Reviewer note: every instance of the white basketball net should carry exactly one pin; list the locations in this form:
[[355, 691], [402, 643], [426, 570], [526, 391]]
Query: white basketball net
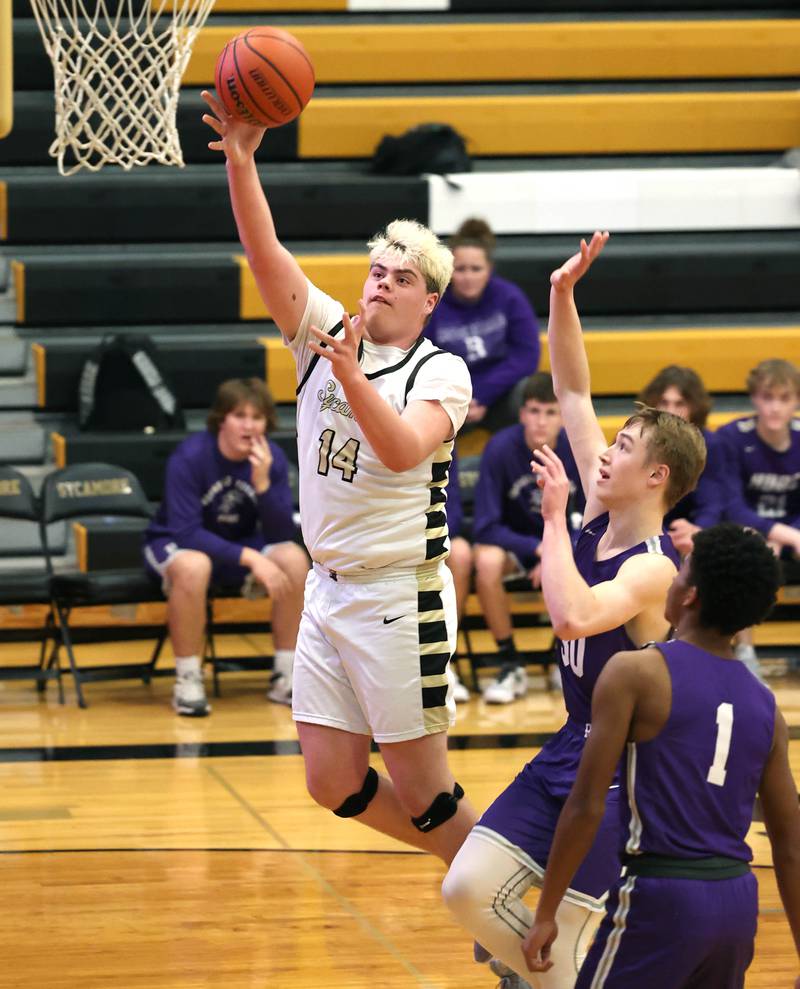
[[118, 67]]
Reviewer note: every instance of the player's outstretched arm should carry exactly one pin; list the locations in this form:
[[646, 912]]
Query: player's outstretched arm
[[782, 818], [569, 365], [577, 610], [280, 279], [613, 705]]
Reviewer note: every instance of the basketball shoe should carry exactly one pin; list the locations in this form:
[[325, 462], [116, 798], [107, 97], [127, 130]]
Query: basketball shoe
[[189, 695], [511, 683], [280, 689]]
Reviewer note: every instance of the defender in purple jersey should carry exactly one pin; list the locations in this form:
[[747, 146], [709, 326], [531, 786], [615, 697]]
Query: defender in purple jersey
[[226, 516], [608, 595], [699, 737]]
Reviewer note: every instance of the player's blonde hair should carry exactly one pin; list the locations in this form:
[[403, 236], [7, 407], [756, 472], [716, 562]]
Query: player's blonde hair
[[409, 242]]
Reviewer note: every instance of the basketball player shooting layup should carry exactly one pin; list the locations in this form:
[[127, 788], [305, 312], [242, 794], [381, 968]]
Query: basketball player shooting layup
[[378, 407], [698, 735], [610, 592]]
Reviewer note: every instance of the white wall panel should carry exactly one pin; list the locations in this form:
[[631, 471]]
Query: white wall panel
[[620, 200]]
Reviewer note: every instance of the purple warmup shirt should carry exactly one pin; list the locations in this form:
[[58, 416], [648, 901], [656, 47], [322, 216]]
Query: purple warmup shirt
[[763, 483], [689, 792], [210, 504], [508, 501], [497, 337], [705, 506], [582, 660]]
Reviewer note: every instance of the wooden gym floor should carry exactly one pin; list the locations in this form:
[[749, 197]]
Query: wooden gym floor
[[147, 851]]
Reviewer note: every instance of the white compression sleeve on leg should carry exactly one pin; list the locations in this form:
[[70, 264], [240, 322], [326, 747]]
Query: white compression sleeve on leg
[[484, 891]]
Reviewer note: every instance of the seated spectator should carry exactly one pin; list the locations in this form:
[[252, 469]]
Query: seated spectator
[[226, 517], [489, 322], [681, 391], [460, 563], [508, 524], [763, 470]]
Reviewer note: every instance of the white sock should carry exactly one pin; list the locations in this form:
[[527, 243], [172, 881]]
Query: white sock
[[284, 662], [187, 664]]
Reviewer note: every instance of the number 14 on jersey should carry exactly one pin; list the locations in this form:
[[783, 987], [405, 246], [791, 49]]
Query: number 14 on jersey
[[344, 459]]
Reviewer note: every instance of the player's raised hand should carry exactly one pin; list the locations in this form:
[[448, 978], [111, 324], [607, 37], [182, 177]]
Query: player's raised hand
[[537, 944], [237, 139], [341, 351], [553, 480], [571, 271]]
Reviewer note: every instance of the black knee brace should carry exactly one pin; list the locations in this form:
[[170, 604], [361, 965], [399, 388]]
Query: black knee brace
[[442, 809], [357, 803]]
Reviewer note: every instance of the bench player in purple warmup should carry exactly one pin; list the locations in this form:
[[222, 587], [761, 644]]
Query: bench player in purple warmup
[[698, 736], [608, 596]]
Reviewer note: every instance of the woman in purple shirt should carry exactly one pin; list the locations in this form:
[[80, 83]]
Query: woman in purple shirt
[[226, 516], [488, 322]]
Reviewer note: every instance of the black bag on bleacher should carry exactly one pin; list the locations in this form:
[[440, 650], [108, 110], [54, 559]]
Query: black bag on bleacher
[[434, 148], [123, 388]]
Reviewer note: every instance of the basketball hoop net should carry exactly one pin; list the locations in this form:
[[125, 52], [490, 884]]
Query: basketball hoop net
[[118, 67]]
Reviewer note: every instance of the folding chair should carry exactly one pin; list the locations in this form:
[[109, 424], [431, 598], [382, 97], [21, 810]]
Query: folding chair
[[84, 491], [24, 587], [214, 627]]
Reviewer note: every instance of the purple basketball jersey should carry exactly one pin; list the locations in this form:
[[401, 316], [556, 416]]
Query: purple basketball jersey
[[689, 792], [582, 660]]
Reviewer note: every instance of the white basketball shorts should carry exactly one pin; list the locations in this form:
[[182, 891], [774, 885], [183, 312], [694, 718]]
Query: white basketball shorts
[[372, 654]]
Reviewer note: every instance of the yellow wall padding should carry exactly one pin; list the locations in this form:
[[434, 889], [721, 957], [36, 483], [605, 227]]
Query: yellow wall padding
[[40, 365], [281, 374], [587, 124], [623, 362], [342, 276], [466, 52], [276, 6], [6, 69], [18, 273]]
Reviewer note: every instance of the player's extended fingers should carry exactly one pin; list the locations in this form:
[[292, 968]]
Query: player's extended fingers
[[331, 343], [325, 352], [214, 104], [548, 456], [214, 123], [216, 146], [598, 242], [350, 336]]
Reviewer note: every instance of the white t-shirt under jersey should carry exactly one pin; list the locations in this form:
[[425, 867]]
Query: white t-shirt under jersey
[[358, 516]]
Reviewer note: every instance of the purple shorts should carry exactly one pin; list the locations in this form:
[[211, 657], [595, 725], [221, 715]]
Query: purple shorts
[[527, 811], [160, 552], [674, 934]]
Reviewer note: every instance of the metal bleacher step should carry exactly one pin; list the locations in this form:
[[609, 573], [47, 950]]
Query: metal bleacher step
[[14, 353], [22, 439]]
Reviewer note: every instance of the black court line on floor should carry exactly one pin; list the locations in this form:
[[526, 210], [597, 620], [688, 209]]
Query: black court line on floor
[[264, 851], [217, 750]]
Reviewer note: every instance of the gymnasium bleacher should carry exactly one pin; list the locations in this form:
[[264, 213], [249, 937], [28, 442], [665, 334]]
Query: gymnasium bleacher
[[667, 123]]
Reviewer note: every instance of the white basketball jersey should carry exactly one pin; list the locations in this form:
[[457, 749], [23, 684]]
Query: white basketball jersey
[[358, 516]]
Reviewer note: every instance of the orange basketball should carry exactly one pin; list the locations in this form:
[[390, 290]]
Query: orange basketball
[[264, 76]]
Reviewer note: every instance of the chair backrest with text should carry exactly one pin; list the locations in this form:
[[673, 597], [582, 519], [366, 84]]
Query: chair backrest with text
[[90, 489], [17, 500]]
